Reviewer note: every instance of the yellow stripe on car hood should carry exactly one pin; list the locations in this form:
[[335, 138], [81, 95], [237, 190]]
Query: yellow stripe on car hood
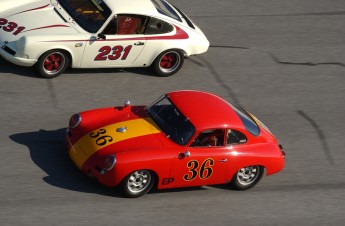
[[108, 135]]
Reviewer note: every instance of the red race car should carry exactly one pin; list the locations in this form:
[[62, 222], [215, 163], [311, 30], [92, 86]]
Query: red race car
[[185, 138]]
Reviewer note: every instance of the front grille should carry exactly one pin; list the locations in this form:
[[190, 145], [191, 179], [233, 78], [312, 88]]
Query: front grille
[[8, 50]]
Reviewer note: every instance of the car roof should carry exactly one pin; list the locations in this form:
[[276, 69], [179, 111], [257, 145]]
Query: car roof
[[143, 7], [205, 110]]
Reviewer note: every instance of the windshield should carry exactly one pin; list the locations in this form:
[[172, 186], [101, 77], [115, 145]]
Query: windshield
[[171, 121], [164, 8], [89, 14]]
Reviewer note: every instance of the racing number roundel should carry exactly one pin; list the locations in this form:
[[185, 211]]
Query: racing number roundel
[[101, 137], [9, 26], [205, 171]]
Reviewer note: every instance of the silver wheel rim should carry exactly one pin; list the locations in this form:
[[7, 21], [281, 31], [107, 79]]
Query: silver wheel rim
[[53, 63], [169, 62], [139, 181], [248, 175]]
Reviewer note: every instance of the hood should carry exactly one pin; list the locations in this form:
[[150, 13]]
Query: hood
[[31, 17], [125, 132], [17, 4]]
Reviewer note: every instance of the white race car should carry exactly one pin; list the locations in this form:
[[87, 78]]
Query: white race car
[[55, 34]]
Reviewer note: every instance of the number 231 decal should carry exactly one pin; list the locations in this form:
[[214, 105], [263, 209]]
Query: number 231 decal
[[204, 172], [10, 26], [108, 53]]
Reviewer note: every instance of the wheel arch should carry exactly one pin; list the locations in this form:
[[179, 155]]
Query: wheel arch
[[246, 178], [237, 168], [185, 54], [66, 50], [138, 187]]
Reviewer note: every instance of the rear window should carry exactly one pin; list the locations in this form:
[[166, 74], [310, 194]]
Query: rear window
[[189, 22], [164, 8], [247, 120]]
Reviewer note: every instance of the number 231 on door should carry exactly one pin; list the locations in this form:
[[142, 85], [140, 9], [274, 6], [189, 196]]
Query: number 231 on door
[[108, 53]]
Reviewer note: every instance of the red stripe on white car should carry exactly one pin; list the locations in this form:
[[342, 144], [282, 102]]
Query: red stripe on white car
[[41, 7], [180, 34], [50, 26]]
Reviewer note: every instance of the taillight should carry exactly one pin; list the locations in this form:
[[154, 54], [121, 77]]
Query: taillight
[[281, 149]]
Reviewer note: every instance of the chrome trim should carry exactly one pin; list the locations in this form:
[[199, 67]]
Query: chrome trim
[[127, 103], [112, 165], [121, 129], [78, 122]]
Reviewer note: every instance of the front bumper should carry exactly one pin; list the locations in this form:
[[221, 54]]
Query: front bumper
[[75, 152], [10, 55], [89, 165]]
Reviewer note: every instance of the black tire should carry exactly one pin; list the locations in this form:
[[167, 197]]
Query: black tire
[[137, 183], [247, 177], [168, 62], [52, 63]]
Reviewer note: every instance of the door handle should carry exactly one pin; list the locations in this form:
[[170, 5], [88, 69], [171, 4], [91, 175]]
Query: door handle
[[139, 43], [185, 154], [222, 160]]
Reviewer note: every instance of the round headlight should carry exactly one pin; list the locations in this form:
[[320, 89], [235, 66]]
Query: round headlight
[[109, 162], [75, 120]]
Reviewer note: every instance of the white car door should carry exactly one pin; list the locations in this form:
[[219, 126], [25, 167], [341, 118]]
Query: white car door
[[122, 45]]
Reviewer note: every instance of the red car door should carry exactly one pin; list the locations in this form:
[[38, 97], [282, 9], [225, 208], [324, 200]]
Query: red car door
[[199, 166]]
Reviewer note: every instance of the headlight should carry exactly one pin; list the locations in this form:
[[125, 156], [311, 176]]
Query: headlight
[[109, 162], [74, 120]]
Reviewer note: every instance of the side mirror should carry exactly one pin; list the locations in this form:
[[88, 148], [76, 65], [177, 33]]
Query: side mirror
[[101, 36]]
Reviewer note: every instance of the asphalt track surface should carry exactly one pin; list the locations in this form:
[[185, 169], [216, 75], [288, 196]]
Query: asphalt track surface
[[284, 61]]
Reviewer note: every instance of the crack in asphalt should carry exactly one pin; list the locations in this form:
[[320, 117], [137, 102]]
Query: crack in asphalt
[[275, 59], [236, 101], [321, 135], [219, 79]]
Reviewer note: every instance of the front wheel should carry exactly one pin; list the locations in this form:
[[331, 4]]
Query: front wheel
[[137, 183], [247, 177], [52, 63], [168, 62]]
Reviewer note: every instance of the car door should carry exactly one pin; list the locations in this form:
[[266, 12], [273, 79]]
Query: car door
[[201, 164], [119, 44]]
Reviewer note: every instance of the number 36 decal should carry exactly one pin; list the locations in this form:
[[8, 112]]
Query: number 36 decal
[[204, 172], [101, 137], [106, 52]]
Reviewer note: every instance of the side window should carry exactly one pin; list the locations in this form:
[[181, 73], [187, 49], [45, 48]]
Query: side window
[[235, 137], [130, 24], [157, 26], [209, 138]]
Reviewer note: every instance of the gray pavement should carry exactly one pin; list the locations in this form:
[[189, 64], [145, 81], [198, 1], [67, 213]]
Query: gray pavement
[[284, 61]]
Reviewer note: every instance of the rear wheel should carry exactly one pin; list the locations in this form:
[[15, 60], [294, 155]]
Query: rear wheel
[[168, 62], [52, 63], [247, 177], [137, 183]]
